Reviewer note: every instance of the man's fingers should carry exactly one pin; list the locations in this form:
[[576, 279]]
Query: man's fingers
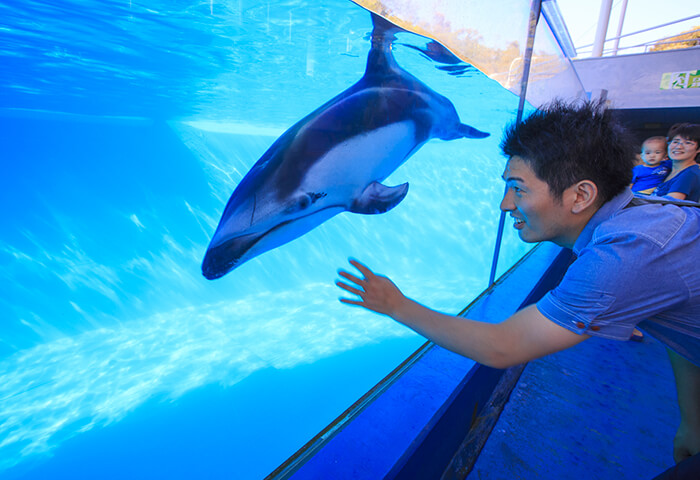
[[362, 268], [349, 288], [350, 276], [351, 302], [358, 284]]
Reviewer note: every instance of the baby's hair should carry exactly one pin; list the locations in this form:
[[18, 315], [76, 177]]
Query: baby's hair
[[657, 138]]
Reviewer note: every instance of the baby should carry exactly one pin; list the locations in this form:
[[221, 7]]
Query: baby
[[656, 166]]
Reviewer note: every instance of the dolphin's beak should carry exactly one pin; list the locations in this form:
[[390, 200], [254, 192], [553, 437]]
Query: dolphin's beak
[[223, 258]]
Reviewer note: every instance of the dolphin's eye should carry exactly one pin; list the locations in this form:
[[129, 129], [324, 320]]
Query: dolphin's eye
[[304, 202], [309, 198]]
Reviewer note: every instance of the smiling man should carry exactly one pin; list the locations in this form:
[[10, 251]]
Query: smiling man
[[567, 174]]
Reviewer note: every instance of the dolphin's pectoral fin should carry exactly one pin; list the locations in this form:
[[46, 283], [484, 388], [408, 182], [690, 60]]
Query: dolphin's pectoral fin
[[378, 198], [470, 132]]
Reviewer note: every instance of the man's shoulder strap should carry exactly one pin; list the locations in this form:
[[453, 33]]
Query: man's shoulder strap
[[637, 201]]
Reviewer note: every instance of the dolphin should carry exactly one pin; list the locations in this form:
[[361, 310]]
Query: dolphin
[[334, 159]]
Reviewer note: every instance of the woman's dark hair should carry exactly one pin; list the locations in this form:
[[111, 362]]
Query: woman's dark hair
[[689, 131], [565, 143]]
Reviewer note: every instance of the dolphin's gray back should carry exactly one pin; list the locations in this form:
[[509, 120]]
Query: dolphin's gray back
[[387, 107]]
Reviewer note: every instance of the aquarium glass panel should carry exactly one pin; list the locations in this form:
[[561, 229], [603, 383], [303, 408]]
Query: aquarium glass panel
[[126, 128]]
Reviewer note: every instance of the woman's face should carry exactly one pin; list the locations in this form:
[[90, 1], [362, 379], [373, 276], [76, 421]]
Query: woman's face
[[681, 149]]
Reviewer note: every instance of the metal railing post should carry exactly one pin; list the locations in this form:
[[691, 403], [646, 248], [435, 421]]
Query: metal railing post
[[535, 10], [602, 30], [616, 44]]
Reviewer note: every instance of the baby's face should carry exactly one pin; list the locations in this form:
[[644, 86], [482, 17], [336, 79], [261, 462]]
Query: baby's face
[[653, 153]]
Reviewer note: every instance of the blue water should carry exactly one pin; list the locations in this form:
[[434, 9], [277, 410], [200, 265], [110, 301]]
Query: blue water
[[126, 126]]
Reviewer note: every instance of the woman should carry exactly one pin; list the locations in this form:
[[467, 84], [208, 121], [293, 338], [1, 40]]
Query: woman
[[683, 182]]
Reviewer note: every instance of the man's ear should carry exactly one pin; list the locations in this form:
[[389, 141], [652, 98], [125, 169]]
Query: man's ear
[[586, 195]]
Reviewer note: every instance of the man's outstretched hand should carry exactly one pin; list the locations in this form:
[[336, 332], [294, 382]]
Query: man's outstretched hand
[[375, 292]]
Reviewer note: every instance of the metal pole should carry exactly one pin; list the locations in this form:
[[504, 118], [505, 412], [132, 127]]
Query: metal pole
[[535, 10], [650, 29], [623, 9], [602, 30]]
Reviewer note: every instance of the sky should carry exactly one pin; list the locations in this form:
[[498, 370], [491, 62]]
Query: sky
[[581, 19]]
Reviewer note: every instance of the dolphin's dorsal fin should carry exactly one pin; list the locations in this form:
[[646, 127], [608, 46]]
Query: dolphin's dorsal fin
[[383, 29], [380, 60], [378, 198]]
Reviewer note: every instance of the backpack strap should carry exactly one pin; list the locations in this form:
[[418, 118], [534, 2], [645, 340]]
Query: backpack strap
[[637, 201]]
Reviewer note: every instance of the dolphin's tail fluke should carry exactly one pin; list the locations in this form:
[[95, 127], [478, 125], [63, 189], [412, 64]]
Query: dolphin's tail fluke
[[465, 131]]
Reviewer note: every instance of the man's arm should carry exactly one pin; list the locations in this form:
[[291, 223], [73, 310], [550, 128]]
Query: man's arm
[[524, 336], [687, 441]]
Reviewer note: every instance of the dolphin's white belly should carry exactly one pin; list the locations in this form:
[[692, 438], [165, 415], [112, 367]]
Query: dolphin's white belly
[[372, 156]]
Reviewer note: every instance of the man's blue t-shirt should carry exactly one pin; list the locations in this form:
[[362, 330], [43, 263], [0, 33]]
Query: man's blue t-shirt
[[635, 266], [645, 177], [687, 182]]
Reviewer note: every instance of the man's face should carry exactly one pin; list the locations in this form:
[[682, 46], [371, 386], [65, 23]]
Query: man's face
[[537, 214]]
